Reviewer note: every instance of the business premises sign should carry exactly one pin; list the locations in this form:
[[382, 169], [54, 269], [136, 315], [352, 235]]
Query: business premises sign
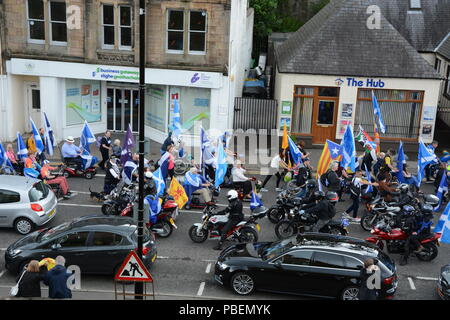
[[367, 83], [109, 74]]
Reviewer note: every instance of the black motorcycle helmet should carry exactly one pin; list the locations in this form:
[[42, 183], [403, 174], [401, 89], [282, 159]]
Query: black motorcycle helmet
[[427, 210], [408, 210], [332, 196], [311, 184]]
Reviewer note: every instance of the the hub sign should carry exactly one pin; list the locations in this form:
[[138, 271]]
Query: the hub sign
[[368, 83]]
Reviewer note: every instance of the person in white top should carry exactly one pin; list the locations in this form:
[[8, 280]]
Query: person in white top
[[240, 180], [277, 165]]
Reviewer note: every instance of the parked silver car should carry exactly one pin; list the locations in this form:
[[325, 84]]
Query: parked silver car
[[25, 203]]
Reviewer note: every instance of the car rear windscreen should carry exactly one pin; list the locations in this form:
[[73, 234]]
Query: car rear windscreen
[[38, 192]]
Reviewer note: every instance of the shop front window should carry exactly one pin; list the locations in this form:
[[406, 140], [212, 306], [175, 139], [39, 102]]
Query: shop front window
[[83, 101], [156, 107], [401, 111]]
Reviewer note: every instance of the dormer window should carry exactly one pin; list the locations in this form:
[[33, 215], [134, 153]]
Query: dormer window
[[415, 4]]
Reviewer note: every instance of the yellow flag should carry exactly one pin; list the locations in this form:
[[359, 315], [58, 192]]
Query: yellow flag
[[176, 190], [32, 145], [285, 142]]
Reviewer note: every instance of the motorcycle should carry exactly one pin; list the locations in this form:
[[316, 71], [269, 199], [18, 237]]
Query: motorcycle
[[303, 222], [165, 223], [375, 212], [244, 231], [197, 201], [119, 198], [395, 240], [284, 204]]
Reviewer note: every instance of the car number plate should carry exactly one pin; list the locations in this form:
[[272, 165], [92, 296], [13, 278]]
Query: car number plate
[[258, 227], [52, 212]]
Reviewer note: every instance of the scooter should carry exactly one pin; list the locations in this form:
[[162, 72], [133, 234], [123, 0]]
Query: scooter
[[197, 201], [70, 170], [212, 224]]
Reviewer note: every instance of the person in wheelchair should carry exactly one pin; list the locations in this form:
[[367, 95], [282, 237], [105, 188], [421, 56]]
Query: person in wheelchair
[[240, 181], [196, 183], [51, 179], [17, 165], [72, 154]]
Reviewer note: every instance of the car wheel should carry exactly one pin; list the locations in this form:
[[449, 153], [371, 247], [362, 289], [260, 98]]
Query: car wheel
[[23, 226], [350, 293], [242, 283]]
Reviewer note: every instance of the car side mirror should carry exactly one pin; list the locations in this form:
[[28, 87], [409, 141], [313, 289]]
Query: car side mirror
[[278, 264], [56, 246]]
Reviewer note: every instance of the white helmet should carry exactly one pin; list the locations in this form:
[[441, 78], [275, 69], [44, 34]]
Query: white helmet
[[232, 194], [148, 175]]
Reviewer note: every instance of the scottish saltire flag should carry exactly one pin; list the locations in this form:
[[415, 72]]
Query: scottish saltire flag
[[425, 157], [192, 182], [88, 160], [369, 186], [400, 162], [128, 146], [22, 151], [31, 173], [159, 181], [377, 112], [127, 173], [255, 202], [163, 163], [295, 152], [4, 160], [443, 188], [176, 120], [50, 142], [443, 225], [154, 207], [348, 150], [37, 138], [87, 137], [222, 165]]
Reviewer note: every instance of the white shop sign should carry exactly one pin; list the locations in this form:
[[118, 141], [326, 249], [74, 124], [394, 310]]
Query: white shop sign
[[57, 69]]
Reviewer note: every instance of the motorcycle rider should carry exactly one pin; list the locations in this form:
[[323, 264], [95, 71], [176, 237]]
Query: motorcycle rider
[[324, 208], [417, 228], [311, 188], [235, 215]]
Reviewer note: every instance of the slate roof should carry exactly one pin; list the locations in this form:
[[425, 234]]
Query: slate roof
[[337, 41], [444, 47], [424, 29]]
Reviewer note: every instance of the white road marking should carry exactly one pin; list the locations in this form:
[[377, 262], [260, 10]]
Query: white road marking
[[208, 268], [100, 175], [209, 261], [200, 290], [411, 283], [427, 278], [81, 192], [3, 249], [78, 205], [2, 273]]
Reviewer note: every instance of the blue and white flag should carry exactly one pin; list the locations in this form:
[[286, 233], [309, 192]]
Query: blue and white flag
[[50, 142], [255, 202], [400, 163], [22, 151], [192, 182], [128, 170], [425, 157], [176, 120], [369, 178], [88, 160], [160, 182], [87, 137], [163, 163], [222, 165], [320, 184], [335, 149], [31, 173], [349, 150], [443, 188], [128, 146], [154, 207], [443, 225], [205, 153], [4, 160], [295, 152], [377, 112], [37, 138]]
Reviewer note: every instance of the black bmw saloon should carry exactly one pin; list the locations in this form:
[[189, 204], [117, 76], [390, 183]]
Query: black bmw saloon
[[310, 264]]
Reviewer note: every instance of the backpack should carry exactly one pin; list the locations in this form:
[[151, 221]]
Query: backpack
[[354, 189], [324, 179]]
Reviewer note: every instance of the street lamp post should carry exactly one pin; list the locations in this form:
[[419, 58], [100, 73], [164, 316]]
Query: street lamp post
[[139, 287]]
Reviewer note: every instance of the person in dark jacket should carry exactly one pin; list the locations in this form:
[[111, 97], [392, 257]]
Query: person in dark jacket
[[234, 210], [323, 209], [56, 280], [334, 183], [167, 143], [105, 147], [30, 280], [366, 292]]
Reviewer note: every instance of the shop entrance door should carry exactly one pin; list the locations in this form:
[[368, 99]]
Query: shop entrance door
[[123, 109], [326, 102], [33, 102]]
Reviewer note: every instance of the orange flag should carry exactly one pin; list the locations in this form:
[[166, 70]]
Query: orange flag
[[285, 142]]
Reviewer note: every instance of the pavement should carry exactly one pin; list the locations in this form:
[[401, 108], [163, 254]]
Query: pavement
[[184, 270]]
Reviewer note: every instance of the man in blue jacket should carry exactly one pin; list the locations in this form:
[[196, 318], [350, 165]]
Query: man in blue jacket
[[56, 280]]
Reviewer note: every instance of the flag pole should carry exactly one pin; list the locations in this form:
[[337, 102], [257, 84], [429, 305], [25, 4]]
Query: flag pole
[[139, 288]]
